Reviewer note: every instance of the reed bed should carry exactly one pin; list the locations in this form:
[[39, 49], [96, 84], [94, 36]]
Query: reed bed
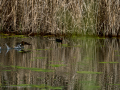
[[60, 16]]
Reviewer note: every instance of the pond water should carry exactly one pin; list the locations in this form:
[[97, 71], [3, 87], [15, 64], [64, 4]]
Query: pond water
[[78, 63]]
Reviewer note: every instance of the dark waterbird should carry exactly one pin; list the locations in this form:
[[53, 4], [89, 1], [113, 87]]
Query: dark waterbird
[[59, 40], [23, 43]]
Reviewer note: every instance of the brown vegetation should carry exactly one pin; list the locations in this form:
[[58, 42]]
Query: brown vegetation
[[109, 18], [100, 17]]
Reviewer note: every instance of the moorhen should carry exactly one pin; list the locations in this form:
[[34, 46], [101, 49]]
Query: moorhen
[[21, 45], [24, 43], [59, 40]]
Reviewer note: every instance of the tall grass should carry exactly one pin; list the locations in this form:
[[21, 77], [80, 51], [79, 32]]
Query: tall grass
[[60, 16]]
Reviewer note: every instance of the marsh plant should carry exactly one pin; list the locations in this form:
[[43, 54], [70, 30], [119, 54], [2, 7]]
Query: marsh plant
[[100, 17]]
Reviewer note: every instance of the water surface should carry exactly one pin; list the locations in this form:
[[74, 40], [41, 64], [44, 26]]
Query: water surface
[[79, 63]]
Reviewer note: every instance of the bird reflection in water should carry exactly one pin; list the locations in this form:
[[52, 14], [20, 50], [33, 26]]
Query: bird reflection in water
[[19, 47]]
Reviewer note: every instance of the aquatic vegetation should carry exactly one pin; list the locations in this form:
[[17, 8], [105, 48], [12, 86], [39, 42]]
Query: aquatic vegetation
[[74, 57], [109, 62], [21, 36], [65, 45], [88, 72], [32, 60], [44, 49], [6, 70], [56, 61], [42, 86], [92, 87], [100, 37], [56, 65], [34, 69]]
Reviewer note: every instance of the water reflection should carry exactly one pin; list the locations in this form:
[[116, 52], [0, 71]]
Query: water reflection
[[19, 47], [79, 63]]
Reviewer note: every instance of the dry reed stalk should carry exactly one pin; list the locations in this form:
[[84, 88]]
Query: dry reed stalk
[[109, 18]]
